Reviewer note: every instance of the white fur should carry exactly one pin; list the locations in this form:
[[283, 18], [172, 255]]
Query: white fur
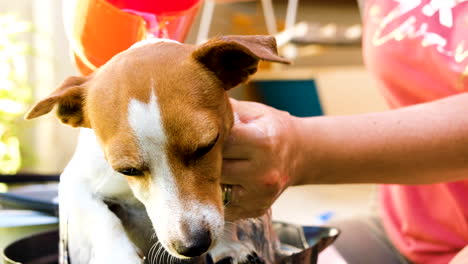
[[85, 220], [168, 209]]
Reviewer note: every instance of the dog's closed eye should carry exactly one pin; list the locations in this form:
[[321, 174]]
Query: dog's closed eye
[[131, 171], [204, 149]]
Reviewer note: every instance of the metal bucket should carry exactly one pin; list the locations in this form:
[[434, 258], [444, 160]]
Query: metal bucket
[[36, 249], [304, 243]]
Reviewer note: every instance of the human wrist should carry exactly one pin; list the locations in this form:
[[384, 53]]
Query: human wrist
[[298, 157], [295, 155], [307, 151]]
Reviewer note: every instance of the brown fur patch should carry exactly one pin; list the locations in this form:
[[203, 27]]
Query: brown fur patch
[[69, 98], [234, 58]]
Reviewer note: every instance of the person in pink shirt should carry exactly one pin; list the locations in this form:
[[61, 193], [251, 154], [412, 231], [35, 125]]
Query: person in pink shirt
[[417, 151]]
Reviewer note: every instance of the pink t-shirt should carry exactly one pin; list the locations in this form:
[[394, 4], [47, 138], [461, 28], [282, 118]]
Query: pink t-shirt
[[418, 49]]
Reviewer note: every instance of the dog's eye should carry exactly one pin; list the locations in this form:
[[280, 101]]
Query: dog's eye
[[203, 150], [131, 172]]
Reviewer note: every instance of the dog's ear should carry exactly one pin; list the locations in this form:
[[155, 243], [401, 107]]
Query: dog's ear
[[69, 98], [233, 58]]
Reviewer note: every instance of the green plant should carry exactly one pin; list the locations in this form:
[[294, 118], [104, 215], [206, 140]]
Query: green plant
[[15, 91]]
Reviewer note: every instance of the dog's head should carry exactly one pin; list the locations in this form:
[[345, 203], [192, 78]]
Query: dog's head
[[160, 112]]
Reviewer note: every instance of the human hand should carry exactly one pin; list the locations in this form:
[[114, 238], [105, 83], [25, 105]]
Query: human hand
[[259, 158]]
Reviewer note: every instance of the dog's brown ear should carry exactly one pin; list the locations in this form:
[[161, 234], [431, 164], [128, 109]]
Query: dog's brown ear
[[69, 98], [233, 58]]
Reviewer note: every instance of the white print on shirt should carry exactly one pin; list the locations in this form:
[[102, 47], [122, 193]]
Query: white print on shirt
[[444, 8], [409, 29]]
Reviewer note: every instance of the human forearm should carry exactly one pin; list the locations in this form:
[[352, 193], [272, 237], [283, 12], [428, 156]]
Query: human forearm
[[421, 144], [269, 150]]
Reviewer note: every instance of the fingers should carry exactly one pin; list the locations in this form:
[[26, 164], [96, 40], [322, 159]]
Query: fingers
[[237, 152], [248, 111], [238, 147], [244, 140], [243, 206], [242, 143], [253, 159], [234, 213], [236, 172]]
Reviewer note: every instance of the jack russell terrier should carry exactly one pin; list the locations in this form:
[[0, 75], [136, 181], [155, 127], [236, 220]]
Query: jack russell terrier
[[145, 176]]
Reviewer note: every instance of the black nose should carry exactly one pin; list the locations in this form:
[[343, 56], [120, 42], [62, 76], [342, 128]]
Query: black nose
[[196, 246]]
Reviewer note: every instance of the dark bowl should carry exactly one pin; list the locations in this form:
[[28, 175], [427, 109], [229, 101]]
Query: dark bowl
[[41, 248], [302, 242]]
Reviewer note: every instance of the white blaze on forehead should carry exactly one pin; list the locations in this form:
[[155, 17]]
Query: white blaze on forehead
[[165, 205], [145, 120], [152, 41], [161, 197]]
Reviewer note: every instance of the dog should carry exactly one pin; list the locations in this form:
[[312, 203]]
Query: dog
[[145, 176]]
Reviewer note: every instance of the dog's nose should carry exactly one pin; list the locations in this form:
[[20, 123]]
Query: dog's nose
[[195, 247]]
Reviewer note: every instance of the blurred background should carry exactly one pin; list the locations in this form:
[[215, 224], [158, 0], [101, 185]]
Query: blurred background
[[321, 37]]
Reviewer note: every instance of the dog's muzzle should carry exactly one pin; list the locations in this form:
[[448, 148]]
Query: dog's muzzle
[[227, 193]]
